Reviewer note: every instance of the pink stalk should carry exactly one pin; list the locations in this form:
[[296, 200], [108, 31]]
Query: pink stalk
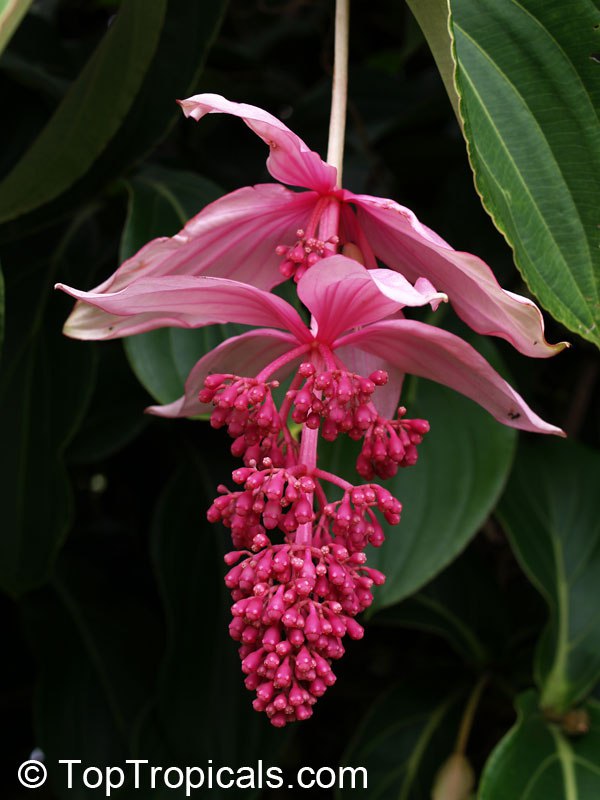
[[331, 478], [272, 368]]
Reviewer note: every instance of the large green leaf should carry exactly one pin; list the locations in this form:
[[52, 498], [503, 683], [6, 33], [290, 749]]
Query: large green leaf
[[403, 740], [463, 464], [45, 385], [2, 310], [464, 606], [122, 103], [96, 640], [90, 113], [11, 14], [551, 511], [530, 94], [114, 417], [160, 203], [536, 760]]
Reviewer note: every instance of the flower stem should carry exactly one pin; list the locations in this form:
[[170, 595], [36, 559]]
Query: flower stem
[[337, 121], [280, 362], [466, 722], [307, 456]]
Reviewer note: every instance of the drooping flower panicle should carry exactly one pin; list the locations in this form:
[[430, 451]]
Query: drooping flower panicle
[[298, 574]]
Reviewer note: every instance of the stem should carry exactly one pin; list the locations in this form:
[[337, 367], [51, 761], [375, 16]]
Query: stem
[[307, 456], [331, 478], [468, 716], [329, 226], [271, 368], [339, 92], [308, 447]]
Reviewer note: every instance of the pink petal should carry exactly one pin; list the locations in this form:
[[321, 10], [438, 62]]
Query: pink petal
[[184, 302], [243, 355], [290, 160], [342, 294], [395, 286], [433, 353], [234, 237], [403, 243]]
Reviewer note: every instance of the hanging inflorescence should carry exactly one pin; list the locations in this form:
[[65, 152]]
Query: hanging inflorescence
[[298, 574]]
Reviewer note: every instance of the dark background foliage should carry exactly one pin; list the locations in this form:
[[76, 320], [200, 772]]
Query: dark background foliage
[[114, 615]]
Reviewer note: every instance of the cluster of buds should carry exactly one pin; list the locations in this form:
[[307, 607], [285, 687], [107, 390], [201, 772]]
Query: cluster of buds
[[246, 407], [390, 444], [352, 521], [298, 574], [305, 253], [340, 398], [276, 498], [293, 606], [272, 497]]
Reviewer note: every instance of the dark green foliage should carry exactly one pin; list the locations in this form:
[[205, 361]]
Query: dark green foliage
[[114, 610]]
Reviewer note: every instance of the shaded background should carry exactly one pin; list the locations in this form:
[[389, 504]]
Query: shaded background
[[115, 617]]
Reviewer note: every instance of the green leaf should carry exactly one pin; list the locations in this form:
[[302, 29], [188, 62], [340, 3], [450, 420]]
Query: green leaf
[[171, 39], [45, 386], [463, 605], [463, 464], [536, 760], [433, 17], [115, 415], [2, 311], [160, 203], [403, 740], [90, 113], [529, 97], [11, 14], [95, 639], [551, 511]]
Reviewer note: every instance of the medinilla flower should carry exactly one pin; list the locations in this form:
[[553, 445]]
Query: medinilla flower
[[264, 234], [298, 574]]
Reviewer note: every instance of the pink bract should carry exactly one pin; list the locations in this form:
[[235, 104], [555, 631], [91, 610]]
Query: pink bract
[[349, 310], [236, 237]]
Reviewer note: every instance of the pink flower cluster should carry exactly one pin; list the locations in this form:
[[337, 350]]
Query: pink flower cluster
[[295, 601], [298, 574]]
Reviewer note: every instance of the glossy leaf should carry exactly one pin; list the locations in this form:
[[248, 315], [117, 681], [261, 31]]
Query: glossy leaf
[[2, 311], [11, 14], [115, 415], [463, 605], [551, 511], [45, 386], [443, 507], [528, 80], [160, 203], [537, 760], [90, 113], [404, 739], [171, 39], [96, 641]]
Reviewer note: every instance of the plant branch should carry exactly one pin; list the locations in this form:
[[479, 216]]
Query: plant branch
[[339, 92]]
